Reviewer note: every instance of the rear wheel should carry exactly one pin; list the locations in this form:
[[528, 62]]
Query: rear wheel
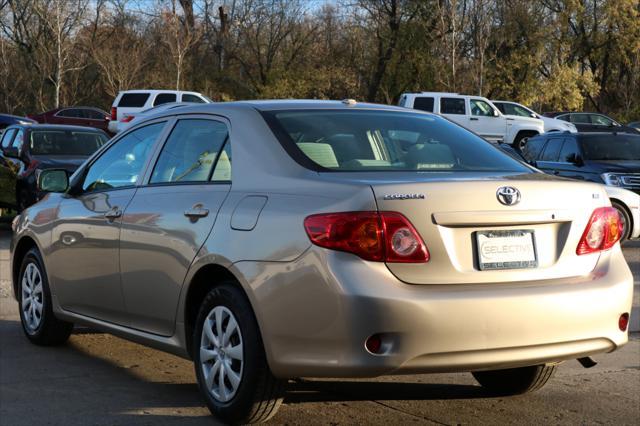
[[36, 311], [230, 363], [521, 139], [515, 381], [626, 219]]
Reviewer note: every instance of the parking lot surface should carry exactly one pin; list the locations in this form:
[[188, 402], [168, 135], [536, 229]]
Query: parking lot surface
[[98, 379]]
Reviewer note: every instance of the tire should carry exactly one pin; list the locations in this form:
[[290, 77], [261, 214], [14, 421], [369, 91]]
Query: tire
[[257, 394], [521, 139], [626, 220], [36, 310], [515, 381]]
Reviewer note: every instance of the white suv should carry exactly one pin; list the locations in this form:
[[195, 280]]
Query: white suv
[[509, 109], [128, 103], [477, 114]]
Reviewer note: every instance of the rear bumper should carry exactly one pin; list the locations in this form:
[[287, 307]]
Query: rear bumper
[[316, 313]]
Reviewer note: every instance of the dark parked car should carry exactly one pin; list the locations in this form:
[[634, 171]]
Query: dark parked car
[[76, 116], [591, 122], [8, 119], [609, 158], [27, 149]]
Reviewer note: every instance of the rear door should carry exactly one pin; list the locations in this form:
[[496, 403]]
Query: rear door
[[130, 104], [170, 218], [455, 109], [164, 98]]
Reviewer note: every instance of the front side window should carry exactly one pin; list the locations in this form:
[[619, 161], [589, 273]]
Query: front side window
[[423, 103], [569, 152], [190, 152], [7, 137], [552, 150], [122, 164], [481, 108], [192, 98], [363, 140], [64, 142], [601, 120], [164, 98], [452, 106], [520, 111], [564, 117], [18, 140]]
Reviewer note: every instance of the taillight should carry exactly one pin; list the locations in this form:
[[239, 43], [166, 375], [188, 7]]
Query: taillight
[[603, 231], [377, 236], [114, 114], [127, 118]]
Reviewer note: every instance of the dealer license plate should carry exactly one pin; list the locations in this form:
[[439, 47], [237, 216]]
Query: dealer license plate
[[506, 249]]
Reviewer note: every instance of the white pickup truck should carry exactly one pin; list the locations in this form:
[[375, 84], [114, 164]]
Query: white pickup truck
[[477, 114]]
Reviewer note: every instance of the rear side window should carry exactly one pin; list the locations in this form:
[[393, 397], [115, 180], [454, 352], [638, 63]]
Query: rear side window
[[533, 148], [192, 98], [164, 98], [8, 137], [64, 142], [423, 103], [191, 152], [552, 150], [70, 113], [364, 140], [92, 114], [133, 100], [580, 118], [452, 106]]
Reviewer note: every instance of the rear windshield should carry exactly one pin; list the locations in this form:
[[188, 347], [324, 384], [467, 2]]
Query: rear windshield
[[60, 142], [365, 140], [133, 100], [611, 147]]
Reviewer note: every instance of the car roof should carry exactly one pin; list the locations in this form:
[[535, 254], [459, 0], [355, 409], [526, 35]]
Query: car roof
[[37, 126], [152, 91]]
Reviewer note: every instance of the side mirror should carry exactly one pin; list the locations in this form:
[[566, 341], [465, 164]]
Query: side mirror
[[496, 113], [53, 180], [534, 115], [11, 152]]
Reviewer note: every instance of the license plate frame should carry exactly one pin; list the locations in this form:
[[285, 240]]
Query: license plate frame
[[484, 260]]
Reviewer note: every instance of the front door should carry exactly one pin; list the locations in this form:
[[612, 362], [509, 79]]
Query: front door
[[484, 121], [84, 259], [170, 218]]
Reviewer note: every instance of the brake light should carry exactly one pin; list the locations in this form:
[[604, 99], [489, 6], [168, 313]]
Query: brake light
[[127, 118], [376, 236], [114, 114], [603, 231]]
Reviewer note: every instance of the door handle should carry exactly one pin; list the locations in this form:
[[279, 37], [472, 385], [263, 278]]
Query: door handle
[[114, 213], [196, 212], [473, 119]]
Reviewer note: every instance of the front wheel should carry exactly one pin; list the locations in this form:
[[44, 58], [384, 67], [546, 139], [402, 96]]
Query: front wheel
[[515, 381], [626, 220], [230, 363], [36, 310]]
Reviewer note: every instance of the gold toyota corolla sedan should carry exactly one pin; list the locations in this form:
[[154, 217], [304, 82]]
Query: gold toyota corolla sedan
[[282, 239]]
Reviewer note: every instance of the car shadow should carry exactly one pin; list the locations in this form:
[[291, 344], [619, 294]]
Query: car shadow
[[302, 390]]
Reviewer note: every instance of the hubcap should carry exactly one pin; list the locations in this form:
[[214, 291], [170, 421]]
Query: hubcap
[[221, 354], [32, 297]]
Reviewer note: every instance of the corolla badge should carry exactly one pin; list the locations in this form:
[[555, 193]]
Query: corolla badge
[[404, 197], [508, 195]]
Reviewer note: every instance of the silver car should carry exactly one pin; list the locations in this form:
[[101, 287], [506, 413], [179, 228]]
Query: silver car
[[282, 239]]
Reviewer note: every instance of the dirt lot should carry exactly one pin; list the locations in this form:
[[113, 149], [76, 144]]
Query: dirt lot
[[98, 379]]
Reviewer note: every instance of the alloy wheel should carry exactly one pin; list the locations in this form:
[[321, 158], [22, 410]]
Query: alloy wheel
[[32, 297], [221, 354]]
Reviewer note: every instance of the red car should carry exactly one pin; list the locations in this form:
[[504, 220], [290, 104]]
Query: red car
[[76, 116]]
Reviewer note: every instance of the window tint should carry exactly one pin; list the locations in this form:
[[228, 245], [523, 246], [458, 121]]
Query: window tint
[[452, 106], [18, 140], [610, 148], [481, 108], [123, 162], [192, 98], [601, 120], [383, 140], [569, 151], [564, 117], [580, 118], [423, 103], [8, 137], [69, 113], [533, 148], [190, 152], [513, 109], [64, 142], [502, 107], [164, 98], [552, 150], [133, 100]]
